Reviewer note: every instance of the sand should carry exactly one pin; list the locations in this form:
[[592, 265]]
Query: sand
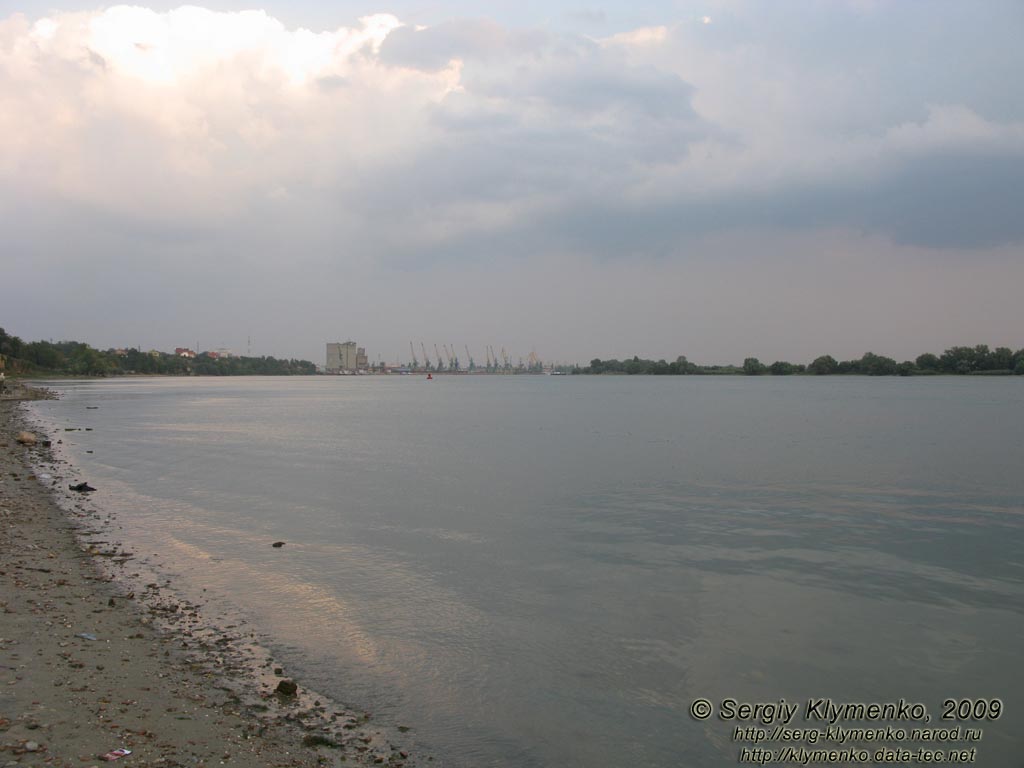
[[90, 662]]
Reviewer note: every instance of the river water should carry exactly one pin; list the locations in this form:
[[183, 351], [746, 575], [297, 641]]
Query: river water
[[541, 571]]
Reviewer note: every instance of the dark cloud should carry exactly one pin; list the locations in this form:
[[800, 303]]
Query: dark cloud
[[950, 201], [937, 202]]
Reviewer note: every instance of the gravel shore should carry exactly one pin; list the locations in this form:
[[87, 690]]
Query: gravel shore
[[91, 662]]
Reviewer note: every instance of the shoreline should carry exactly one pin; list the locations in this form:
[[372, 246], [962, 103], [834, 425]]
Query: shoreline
[[92, 659]]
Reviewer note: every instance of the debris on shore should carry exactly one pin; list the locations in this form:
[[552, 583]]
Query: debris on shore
[[151, 676]]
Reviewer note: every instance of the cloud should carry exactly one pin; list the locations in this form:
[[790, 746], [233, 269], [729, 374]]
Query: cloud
[[191, 114], [432, 135], [193, 146], [588, 15], [399, 136], [480, 40], [644, 36]]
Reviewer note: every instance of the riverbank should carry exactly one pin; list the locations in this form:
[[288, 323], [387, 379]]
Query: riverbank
[[90, 662]]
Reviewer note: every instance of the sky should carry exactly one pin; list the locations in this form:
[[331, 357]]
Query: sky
[[717, 179]]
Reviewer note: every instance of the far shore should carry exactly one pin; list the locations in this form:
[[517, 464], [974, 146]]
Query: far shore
[[92, 662]]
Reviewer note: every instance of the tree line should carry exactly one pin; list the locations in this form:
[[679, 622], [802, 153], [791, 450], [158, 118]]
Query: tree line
[[78, 359], [978, 361]]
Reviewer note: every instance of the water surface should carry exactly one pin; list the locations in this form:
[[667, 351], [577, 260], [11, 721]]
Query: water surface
[[537, 571]]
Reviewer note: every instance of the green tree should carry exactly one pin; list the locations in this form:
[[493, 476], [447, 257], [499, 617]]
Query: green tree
[[684, 366], [877, 365], [10, 346], [1000, 359], [959, 360], [44, 354], [753, 367], [86, 361], [823, 366]]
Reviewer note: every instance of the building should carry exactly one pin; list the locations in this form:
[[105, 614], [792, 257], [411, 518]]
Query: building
[[184, 352], [345, 357]]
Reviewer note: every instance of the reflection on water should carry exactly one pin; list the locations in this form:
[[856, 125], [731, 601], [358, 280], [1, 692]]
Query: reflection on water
[[535, 571]]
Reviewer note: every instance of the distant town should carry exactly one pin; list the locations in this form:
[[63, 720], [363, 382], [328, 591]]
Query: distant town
[[347, 358]]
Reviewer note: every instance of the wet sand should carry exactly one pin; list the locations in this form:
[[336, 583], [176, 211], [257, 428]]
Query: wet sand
[[92, 661]]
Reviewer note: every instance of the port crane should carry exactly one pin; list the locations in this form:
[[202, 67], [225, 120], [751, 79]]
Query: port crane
[[415, 362], [534, 361], [469, 358], [426, 359], [439, 358]]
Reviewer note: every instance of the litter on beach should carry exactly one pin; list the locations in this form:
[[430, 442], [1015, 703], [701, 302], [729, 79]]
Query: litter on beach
[[115, 754], [82, 487], [86, 635]]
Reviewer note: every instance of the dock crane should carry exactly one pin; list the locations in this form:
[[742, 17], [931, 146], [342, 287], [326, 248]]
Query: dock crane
[[455, 358], [534, 361], [426, 359], [507, 359], [415, 362], [469, 359], [439, 358]]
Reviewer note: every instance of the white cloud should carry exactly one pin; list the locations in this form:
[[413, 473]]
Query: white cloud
[[644, 36], [187, 112], [954, 126]]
